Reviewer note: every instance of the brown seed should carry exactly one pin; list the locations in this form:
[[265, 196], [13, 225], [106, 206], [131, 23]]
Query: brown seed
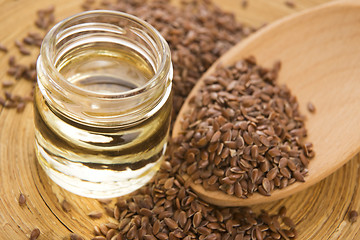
[[22, 199], [282, 211], [105, 201], [247, 138], [274, 152], [244, 3], [197, 219], [3, 48], [24, 51], [283, 162], [202, 142], [95, 214], [311, 108], [74, 236], [123, 223], [2, 101], [103, 229], [182, 219], [28, 40], [111, 225], [132, 232], [285, 172], [275, 235], [35, 233], [353, 215], [215, 137], [238, 189], [272, 173], [66, 206], [97, 231], [213, 226], [116, 212], [146, 212], [7, 84], [266, 185], [254, 152], [204, 231], [289, 222], [264, 141], [160, 236], [110, 234], [168, 183], [212, 236], [290, 4], [291, 165], [226, 127], [171, 223], [98, 238], [254, 175], [156, 227], [298, 176]]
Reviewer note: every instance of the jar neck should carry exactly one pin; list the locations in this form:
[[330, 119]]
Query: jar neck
[[104, 33]]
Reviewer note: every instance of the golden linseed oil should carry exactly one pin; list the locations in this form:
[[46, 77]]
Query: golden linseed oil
[[102, 103]]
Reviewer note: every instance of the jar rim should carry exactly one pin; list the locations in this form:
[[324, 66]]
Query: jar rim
[[50, 42]]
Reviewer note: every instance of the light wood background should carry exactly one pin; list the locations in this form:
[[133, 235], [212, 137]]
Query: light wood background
[[320, 212]]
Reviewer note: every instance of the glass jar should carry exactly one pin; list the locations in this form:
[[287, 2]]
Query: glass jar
[[102, 103]]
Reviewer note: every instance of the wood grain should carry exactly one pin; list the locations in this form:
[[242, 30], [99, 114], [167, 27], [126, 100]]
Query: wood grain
[[320, 211]]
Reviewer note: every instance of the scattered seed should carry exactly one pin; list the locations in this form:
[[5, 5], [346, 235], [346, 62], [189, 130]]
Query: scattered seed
[[353, 216], [105, 201], [282, 211], [74, 236], [3, 48], [35, 233], [290, 4], [20, 107], [95, 214], [289, 222], [311, 108], [24, 51], [244, 3], [7, 84], [66, 206], [103, 229], [98, 238], [22, 199]]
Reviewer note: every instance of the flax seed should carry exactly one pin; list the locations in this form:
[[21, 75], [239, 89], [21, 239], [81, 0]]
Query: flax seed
[[35, 233], [66, 206], [3, 48], [22, 199], [311, 108], [74, 236], [353, 215]]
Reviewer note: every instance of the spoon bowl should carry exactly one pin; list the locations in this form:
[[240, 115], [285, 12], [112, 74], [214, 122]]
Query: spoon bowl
[[320, 54]]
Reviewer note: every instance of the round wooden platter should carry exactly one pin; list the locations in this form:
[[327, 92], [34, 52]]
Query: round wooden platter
[[320, 212]]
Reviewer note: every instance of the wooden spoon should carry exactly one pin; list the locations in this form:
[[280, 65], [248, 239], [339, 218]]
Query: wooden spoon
[[320, 54]]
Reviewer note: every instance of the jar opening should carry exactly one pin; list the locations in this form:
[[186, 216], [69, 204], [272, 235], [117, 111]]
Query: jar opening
[[105, 54]]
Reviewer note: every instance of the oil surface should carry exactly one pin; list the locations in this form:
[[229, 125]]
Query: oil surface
[[113, 70]]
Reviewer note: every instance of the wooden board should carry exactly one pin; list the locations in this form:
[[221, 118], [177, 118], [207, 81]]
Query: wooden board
[[320, 212]]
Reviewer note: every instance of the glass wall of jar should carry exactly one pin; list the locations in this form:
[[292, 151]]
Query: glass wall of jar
[[102, 103]]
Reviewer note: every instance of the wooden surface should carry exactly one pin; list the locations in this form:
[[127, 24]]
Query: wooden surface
[[320, 58], [320, 211]]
